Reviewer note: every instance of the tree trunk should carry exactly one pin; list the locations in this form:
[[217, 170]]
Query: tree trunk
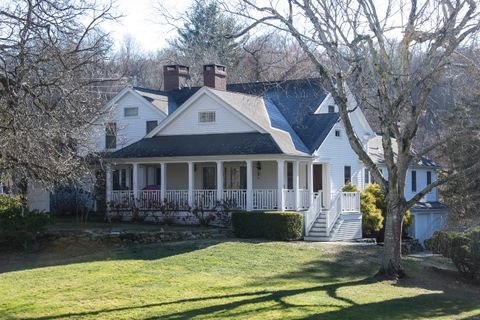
[[391, 260]]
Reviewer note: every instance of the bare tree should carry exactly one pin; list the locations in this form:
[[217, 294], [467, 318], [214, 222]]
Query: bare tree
[[273, 56], [52, 54], [390, 54]]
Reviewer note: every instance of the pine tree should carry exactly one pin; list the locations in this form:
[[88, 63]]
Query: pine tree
[[204, 37]]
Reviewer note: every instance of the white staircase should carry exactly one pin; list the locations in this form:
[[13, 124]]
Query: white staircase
[[341, 222]]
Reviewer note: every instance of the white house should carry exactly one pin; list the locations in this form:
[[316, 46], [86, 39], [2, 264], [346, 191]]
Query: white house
[[256, 146], [259, 146]]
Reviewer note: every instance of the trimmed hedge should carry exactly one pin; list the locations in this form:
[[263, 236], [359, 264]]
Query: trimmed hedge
[[270, 225], [462, 247]]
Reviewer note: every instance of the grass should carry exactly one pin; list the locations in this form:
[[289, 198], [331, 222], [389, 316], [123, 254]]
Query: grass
[[226, 280]]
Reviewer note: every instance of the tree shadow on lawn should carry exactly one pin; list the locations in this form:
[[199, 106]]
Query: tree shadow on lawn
[[90, 251], [421, 306], [280, 294]]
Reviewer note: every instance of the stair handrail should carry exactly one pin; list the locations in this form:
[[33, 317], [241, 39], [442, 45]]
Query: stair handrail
[[313, 212], [333, 213]]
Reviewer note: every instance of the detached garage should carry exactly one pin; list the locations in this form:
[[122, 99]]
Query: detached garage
[[428, 217]]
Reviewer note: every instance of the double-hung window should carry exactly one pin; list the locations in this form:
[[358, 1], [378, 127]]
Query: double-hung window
[[347, 173], [111, 135], [206, 117], [130, 112], [151, 125]]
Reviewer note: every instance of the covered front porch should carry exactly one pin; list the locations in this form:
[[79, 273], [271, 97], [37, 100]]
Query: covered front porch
[[242, 184]]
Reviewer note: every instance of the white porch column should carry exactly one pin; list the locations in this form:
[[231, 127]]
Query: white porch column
[[190, 183], [109, 183], [127, 177], [163, 181], [249, 185], [310, 180], [135, 180], [219, 180], [280, 180], [296, 183]]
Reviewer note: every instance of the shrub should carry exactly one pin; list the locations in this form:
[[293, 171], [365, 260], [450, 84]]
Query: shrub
[[350, 187], [462, 247], [373, 205], [372, 218], [269, 225], [18, 225]]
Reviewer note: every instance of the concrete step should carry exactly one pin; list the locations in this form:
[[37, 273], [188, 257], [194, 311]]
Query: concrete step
[[317, 234], [316, 239], [319, 229], [320, 224]]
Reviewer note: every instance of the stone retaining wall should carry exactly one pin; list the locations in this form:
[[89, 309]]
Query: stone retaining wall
[[37, 241], [141, 237]]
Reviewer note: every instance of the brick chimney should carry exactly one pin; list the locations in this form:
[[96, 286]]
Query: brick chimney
[[215, 76], [175, 77]]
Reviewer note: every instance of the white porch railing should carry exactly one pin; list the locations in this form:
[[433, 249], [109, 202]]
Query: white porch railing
[[235, 198], [149, 199], [122, 199], [179, 198], [313, 212], [264, 199], [350, 201], [206, 198], [304, 199], [289, 199], [332, 215]]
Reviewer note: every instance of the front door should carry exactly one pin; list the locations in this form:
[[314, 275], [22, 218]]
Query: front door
[[209, 178], [317, 178], [235, 177]]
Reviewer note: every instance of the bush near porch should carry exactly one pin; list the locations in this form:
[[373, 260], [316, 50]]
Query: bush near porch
[[269, 225], [463, 248], [18, 225]]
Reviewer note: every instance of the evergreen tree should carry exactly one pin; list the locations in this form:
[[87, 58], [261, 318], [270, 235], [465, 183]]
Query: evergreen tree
[[204, 38]]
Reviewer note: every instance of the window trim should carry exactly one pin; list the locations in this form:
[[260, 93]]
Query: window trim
[[132, 116], [207, 112]]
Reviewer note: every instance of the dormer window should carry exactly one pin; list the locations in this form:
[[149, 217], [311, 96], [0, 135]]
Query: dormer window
[[206, 117], [130, 112], [331, 109]]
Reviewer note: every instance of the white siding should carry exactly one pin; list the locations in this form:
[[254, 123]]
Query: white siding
[[425, 223], [177, 176], [187, 122], [267, 177], [337, 153], [421, 183], [129, 129], [38, 197]]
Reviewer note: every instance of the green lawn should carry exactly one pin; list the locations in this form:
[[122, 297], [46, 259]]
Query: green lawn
[[224, 280]]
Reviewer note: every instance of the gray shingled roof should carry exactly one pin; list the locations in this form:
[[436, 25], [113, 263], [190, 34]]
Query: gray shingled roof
[[200, 145], [284, 109], [430, 205], [375, 150]]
